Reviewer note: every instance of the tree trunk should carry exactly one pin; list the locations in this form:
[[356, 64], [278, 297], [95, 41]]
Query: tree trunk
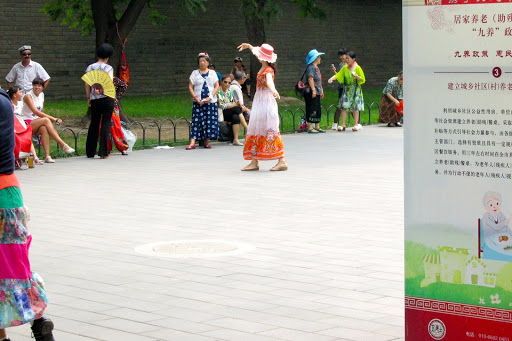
[[255, 27], [113, 32]]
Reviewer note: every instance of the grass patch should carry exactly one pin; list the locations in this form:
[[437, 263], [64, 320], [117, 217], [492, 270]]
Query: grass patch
[[159, 108], [461, 293], [180, 105]]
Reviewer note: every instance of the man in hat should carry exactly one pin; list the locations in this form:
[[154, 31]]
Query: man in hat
[[23, 73]]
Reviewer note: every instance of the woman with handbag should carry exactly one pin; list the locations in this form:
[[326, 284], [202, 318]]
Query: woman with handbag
[[315, 94], [263, 140], [352, 76]]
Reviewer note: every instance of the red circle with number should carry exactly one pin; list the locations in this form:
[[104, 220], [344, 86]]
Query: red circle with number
[[496, 72]]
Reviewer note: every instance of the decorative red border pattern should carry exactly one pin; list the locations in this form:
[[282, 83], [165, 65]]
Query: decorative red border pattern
[[464, 2], [458, 309]]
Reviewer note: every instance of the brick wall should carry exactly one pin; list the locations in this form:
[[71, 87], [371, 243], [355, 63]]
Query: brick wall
[[162, 57]]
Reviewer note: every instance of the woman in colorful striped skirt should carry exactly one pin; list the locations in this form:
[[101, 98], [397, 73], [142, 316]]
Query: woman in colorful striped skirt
[[22, 297]]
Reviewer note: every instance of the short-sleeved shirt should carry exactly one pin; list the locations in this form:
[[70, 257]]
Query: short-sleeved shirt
[[18, 107], [345, 75], [340, 65], [23, 76], [392, 87], [102, 67], [261, 79], [225, 98], [198, 80], [26, 113], [313, 71], [237, 91]]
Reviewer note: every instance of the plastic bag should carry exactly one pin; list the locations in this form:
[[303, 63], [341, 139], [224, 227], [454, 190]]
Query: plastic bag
[[130, 137]]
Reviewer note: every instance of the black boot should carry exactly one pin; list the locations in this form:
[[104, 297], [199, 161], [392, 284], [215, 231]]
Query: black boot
[[42, 329]]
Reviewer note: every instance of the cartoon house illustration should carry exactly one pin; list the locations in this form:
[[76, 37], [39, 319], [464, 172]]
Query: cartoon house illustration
[[456, 266]]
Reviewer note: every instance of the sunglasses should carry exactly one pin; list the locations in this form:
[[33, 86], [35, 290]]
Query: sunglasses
[[26, 54], [226, 82]]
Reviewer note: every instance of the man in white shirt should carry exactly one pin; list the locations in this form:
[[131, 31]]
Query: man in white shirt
[[236, 87], [23, 73]]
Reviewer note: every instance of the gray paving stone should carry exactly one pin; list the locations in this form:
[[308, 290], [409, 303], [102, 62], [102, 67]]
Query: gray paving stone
[[296, 335], [327, 262]]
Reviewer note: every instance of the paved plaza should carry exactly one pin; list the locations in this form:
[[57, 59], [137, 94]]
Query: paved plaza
[[317, 250]]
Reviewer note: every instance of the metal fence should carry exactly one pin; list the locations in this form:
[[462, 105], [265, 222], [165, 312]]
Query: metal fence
[[295, 116]]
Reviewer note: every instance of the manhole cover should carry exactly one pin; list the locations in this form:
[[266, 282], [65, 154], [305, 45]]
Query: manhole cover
[[193, 248]]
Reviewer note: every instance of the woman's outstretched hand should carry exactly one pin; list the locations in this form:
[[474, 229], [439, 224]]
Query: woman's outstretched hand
[[244, 46]]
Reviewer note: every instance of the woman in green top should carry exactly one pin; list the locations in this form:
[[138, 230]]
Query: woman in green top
[[352, 76], [231, 109]]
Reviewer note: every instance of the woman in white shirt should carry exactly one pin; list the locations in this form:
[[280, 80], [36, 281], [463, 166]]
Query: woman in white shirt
[[203, 87], [33, 114]]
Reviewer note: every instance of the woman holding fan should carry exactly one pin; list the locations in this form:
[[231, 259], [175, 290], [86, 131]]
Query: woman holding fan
[[101, 106]]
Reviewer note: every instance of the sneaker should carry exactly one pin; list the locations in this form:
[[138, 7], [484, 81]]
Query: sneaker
[[42, 329], [335, 126]]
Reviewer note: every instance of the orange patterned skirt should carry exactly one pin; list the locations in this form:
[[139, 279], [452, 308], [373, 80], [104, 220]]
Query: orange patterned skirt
[[263, 140]]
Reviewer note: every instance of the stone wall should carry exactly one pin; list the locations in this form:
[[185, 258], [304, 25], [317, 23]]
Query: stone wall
[[162, 57]]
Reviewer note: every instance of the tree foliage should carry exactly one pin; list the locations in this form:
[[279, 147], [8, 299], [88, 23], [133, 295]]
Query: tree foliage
[[269, 10], [256, 12], [78, 13]]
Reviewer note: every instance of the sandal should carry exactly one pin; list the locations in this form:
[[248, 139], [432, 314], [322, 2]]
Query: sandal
[[20, 164], [192, 146], [38, 161], [342, 128], [321, 131], [124, 152], [67, 149], [313, 131], [279, 167], [207, 146], [251, 167], [49, 159]]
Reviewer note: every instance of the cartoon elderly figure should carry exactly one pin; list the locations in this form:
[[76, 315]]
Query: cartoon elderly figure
[[493, 221]]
